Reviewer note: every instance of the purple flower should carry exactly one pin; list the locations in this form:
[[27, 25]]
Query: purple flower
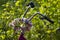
[[22, 37]]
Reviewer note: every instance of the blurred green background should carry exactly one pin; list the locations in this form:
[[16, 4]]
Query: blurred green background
[[41, 30]]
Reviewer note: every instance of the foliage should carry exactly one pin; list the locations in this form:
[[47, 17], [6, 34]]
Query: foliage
[[41, 30]]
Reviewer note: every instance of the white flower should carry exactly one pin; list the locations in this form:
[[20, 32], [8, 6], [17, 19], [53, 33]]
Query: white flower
[[14, 22]]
